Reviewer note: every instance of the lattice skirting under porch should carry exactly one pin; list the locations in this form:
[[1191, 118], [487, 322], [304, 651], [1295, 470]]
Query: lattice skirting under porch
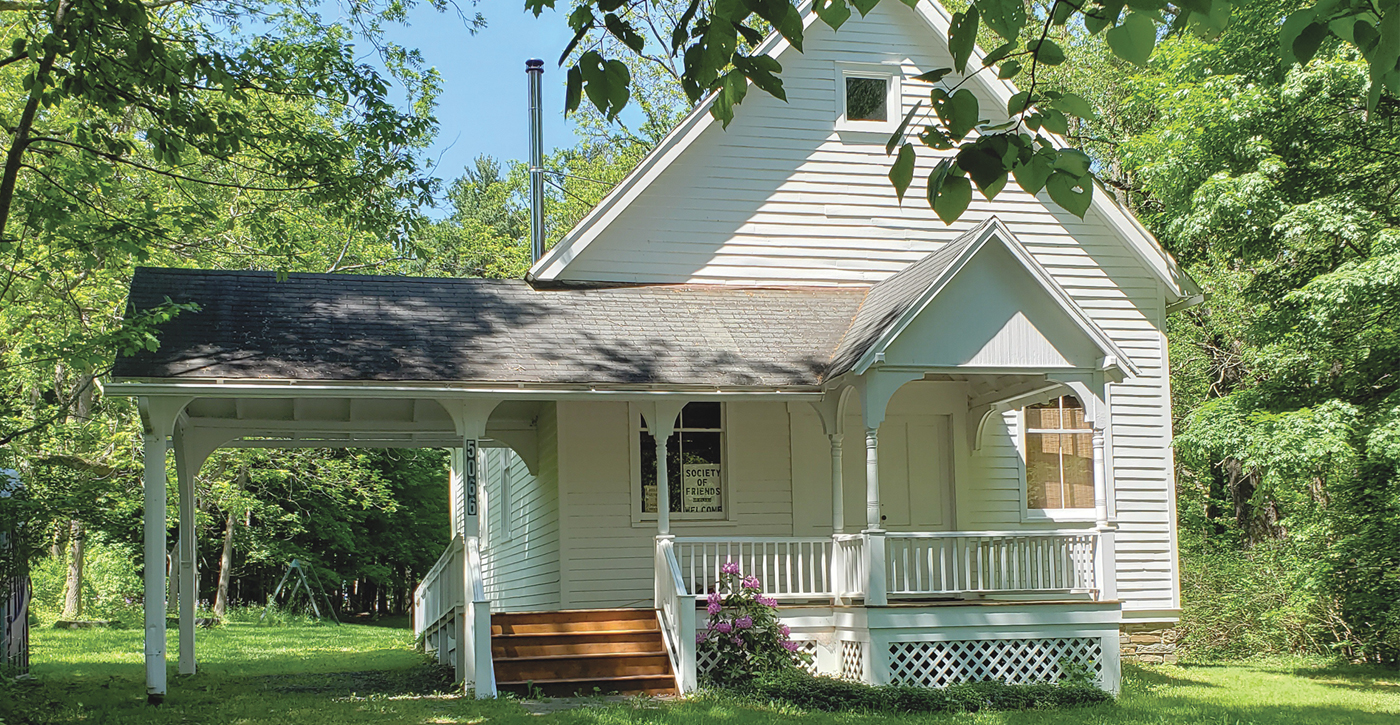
[[852, 660], [1014, 661], [706, 659]]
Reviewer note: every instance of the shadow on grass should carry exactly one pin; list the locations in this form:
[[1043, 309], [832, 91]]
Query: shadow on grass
[[1358, 677], [1160, 677]]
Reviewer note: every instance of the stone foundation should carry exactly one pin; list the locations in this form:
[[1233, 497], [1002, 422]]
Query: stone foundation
[[1148, 644]]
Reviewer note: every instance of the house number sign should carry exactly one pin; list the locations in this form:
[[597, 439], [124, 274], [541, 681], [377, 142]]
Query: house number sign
[[469, 474]]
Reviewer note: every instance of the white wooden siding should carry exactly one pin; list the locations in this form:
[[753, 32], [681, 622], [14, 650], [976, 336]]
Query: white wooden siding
[[520, 562], [608, 562]]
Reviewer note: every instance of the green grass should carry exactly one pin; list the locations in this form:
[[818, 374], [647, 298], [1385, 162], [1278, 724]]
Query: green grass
[[325, 675]]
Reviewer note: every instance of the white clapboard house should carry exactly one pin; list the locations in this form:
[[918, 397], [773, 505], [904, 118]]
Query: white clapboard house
[[944, 450]]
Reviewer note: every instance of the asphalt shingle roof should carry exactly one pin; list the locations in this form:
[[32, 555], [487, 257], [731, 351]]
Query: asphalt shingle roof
[[361, 328]]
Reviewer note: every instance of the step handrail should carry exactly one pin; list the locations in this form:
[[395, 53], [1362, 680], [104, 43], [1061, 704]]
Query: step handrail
[[675, 609]]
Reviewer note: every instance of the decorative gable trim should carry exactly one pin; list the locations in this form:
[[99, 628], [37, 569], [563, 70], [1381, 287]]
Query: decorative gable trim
[[1181, 289], [1114, 360]]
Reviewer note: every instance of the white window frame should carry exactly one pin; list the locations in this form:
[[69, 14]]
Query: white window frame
[[641, 518], [894, 106], [1028, 514]]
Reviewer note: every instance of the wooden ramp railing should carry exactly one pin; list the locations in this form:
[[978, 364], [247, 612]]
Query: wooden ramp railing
[[452, 617]]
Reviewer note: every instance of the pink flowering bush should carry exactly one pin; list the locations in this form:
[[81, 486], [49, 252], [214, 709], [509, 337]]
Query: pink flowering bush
[[744, 632]]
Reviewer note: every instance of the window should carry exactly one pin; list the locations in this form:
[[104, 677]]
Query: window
[[1059, 449], [694, 465], [867, 97]]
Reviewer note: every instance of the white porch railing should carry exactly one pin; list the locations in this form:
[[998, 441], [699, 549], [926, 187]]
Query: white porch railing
[[788, 567], [849, 565], [453, 617], [676, 609], [981, 562]]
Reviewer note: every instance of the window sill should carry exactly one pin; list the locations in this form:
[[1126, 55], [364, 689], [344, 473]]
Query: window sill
[[681, 523], [1057, 515]]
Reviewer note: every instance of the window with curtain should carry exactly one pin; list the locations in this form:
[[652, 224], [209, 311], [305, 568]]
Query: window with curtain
[[1059, 456]]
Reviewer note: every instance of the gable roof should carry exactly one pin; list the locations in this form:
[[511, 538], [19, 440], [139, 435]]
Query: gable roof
[[552, 266], [363, 328], [892, 304]]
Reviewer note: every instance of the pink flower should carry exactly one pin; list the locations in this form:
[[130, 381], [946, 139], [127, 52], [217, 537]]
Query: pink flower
[[790, 646], [767, 601], [700, 637], [743, 622], [730, 567], [714, 607], [715, 598], [785, 629], [736, 639], [724, 628], [751, 582]]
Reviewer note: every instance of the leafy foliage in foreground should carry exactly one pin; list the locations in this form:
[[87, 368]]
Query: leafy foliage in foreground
[[723, 49], [796, 687]]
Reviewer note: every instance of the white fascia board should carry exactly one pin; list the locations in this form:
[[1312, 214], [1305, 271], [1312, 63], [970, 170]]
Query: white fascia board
[[549, 267], [991, 229], [322, 389]]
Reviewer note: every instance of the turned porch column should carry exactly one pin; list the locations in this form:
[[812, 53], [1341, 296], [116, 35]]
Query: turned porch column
[[1105, 558], [874, 532]]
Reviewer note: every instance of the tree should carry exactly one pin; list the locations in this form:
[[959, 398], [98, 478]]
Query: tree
[[1275, 186], [719, 45]]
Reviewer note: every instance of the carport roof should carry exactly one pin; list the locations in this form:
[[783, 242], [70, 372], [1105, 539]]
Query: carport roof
[[337, 327]]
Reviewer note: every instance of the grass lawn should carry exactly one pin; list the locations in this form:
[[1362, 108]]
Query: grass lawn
[[322, 675]]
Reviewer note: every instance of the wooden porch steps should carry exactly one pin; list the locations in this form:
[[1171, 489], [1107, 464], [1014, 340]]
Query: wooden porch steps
[[581, 652]]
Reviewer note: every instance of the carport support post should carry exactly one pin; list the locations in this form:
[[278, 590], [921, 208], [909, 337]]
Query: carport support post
[[474, 624], [158, 421], [184, 478]]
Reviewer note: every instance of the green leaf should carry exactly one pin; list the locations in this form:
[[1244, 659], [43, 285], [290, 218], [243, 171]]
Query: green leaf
[[902, 173], [864, 6], [1073, 162], [1134, 40], [1031, 176], [898, 135], [1010, 69], [960, 113], [1054, 121], [998, 54], [984, 166], [574, 90], [934, 75], [833, 12], [1383, 58], [1072, 193], [1006, 18], [962, 37], [1096, 19], [623, 31], [1047, 51], [1018, 103], [1074, 105], [763, 70], [1293, 26], [1306, 44], [954, 195]]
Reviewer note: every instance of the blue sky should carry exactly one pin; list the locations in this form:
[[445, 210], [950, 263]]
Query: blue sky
[[482, 109]]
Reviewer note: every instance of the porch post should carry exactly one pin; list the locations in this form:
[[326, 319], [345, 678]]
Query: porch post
[[838, 494], [153, 482], [157, 423], [184, 477], [1105, 558], [663, 487], [660, 419], [874, 534], [838, 519]]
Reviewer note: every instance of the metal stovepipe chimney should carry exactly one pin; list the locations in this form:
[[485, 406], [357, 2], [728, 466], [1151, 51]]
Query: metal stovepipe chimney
[[534, 69]]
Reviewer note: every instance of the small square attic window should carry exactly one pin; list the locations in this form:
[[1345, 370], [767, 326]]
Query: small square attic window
[[867, 97]]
